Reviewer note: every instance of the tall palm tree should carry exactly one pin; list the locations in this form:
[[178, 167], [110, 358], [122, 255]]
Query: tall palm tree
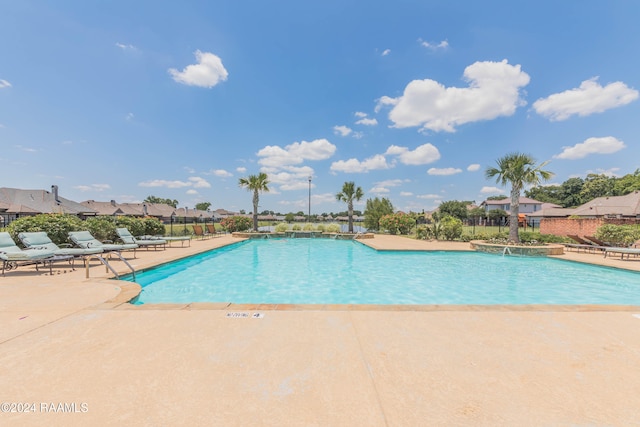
[[519, 170], [348, 194], [256, 183]]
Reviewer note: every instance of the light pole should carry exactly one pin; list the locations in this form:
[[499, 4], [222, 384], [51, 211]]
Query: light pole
[[309, 217]]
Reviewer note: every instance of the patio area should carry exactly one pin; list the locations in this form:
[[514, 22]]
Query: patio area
[[73, 341]]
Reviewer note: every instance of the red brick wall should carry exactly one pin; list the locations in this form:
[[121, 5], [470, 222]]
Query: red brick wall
[[579, 227], [566, 226]]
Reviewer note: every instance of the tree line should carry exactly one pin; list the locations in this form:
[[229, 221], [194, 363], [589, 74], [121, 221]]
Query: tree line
[[577, 191]]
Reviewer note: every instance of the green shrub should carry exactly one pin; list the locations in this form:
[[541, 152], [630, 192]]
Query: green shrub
[[102, 228], [308, 227], [398, 223], [333, 228], [618, 235], [57, 226], [467, 237], [153, 227], [282, 227], [321, 227], [134, 225], [236, 223], [451, 227], [534, 237], [296, 227], [422, 232]]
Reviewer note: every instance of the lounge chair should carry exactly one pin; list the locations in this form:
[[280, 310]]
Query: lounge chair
[[84, 239], [128, 238], [580, 240], [40, 240], [583, 244], [170, 239], [199, 232], [12, 256], [622, 251], [211, 228], [597, 241]]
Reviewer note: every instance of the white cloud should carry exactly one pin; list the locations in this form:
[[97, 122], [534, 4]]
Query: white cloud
[[386, 52], [323, 198], [342, 130], [221, 173], [473, 167], [27, 149], [92, 187], [494, 91], [406, 193], [241, 169], [4, 83], [434, 46], [290, 178], [381, 187], [608, 172], [164, 183], [296, 153], [358, 135], [429, 196], [392, 182], [384, 101], [379, 190], [422, 155], [208, 72], [491, 190], [126, 46], [192, 192], [605, 145], [588, 99], [360, 114], [199, 182], [444, 171], [355, 166], [193, 181], [367, 122]]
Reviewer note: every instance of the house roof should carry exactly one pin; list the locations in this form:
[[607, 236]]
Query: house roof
[[507, 201], [40, 201], [551, 212], [103, 208], [627, 205], [193, 213], [132, 209]]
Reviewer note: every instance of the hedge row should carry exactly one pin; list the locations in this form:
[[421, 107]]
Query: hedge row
[[58, 226]]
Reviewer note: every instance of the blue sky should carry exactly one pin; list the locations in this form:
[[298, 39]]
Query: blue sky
[[412, 100]]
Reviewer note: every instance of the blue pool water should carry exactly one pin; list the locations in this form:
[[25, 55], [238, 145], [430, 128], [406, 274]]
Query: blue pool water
[[324, 271]]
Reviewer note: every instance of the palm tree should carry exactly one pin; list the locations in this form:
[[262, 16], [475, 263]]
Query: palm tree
[[255, 183], [348, 194], [519, 170]]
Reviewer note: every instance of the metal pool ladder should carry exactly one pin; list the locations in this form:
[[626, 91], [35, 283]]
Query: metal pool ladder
[[106, 264]]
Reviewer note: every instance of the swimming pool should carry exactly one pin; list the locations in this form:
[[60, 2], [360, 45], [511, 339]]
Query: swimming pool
[[325, 271]]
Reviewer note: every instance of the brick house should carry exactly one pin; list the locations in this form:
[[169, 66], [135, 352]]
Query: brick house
[[585, 219]]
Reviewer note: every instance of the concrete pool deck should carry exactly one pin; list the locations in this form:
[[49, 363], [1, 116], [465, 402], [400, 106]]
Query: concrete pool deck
[[68, 340]]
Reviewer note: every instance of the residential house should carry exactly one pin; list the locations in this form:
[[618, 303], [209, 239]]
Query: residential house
[[585, 219], [16, 203]]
